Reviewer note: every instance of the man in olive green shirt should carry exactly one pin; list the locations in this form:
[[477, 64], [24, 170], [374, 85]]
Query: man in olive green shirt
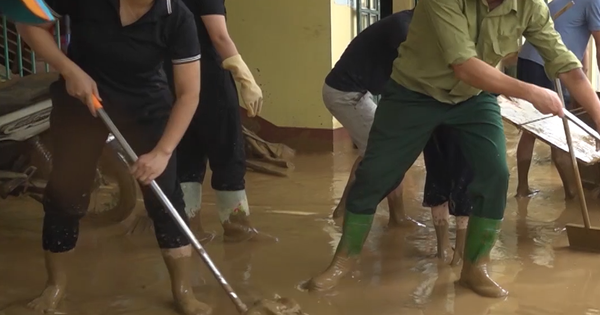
[[444, 65]]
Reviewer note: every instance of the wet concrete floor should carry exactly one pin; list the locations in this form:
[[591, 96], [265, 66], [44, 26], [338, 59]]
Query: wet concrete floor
[[118, 275]]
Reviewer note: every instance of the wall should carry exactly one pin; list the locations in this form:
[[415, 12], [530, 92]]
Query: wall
[[287, 46], [401, 5], [343, 30]]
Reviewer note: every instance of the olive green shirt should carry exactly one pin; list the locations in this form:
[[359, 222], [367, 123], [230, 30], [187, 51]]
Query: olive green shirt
[[447, 32]]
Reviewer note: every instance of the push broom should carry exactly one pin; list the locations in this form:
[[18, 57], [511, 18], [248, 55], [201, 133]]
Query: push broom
[[280, 306]]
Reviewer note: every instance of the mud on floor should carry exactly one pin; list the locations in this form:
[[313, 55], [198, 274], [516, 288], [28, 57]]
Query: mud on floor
[[118, 275]]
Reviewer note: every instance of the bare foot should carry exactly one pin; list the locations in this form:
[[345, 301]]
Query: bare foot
[[49, 299], [191, 306], [404, 222], [526, 192], [456, 259], [445, 255]]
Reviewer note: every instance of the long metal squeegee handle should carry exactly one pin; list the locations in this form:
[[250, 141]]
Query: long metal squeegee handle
[[172, 211], [580, 193]]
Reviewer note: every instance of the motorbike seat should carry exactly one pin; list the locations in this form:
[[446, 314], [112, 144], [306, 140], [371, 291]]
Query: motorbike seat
[[21, 92]]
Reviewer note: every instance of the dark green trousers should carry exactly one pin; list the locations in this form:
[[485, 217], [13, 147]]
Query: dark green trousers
[[403, 123]]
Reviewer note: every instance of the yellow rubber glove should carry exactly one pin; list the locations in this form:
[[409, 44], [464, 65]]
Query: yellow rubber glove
[[251, 93]]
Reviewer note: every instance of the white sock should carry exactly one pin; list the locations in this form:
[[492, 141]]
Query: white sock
[[192, 196], [229, 202]]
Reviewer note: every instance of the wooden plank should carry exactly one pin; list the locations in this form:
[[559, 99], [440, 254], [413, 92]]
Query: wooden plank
[[549, 130]]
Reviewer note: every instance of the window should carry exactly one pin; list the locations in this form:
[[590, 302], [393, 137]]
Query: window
[[16, 57], [367, 13]]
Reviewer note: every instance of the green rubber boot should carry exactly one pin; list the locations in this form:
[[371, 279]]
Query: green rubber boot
[[355, 231], [481, 237]]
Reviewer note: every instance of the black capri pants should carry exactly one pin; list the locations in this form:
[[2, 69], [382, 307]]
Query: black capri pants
[[448, 173], [215, 134], [77, 143]]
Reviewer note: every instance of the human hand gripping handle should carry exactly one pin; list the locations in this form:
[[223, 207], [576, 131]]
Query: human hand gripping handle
[[80, 85], [251, 93], [130, 154], [145, 168]]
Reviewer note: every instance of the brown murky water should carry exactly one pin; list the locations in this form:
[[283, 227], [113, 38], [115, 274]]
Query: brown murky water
[[118, 275]]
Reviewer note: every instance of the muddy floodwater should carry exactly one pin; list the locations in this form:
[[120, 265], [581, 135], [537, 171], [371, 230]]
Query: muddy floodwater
[[118, 274]]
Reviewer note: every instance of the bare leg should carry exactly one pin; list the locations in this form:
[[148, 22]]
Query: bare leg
[[562, 160], [440, 215], [179, 263], [341, 207], [56, 285], [398, 217], [524, 156], [461, 236]]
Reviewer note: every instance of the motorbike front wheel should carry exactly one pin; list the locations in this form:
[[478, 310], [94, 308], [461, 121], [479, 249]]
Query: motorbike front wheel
[[115, 191]]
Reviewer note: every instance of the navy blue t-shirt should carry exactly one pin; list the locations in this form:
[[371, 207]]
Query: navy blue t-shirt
[[366, 65]]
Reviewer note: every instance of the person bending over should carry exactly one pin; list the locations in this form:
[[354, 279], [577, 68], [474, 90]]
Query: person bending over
[[360, 73], [575, 27], [116, 54], [445, 75]]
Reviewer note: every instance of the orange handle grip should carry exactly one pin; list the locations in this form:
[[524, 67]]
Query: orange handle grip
[[97, 104]]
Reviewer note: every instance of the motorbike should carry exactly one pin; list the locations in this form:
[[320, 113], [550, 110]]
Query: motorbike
[[26, 153]]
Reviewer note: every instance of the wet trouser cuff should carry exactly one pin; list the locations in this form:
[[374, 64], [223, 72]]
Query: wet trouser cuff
[[481, 237], [60, 232], [355, 231]]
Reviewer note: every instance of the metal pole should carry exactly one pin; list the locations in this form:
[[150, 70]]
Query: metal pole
[[174, 214]]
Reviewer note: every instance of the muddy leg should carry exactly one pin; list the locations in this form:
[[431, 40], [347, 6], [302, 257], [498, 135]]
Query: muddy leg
[[398, 216], [440, 215], [355, 231], [56, 267], [481, 237], [179, 264], [562, 160], [233, 213], [524, 156], [192, 196], [341, 207], [461, 235]]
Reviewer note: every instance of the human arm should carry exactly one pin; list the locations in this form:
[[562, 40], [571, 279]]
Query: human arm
[[212, 13], [216, 25], [560, 61], [187, 92], [41, 40], [458, 51], [585, 62], [184, 52]]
